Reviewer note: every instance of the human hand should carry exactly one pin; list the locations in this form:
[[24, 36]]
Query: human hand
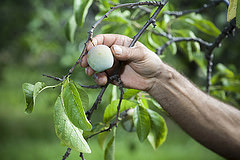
[[139, 68]]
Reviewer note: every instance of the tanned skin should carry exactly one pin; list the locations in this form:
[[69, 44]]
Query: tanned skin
[[211, 122]]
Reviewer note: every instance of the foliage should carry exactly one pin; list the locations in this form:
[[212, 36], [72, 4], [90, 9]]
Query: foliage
[[71, 117]]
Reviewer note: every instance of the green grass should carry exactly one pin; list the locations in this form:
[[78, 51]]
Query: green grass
[[27, 137]]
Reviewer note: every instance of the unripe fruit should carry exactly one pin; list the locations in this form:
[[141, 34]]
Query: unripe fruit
[[100, 58]]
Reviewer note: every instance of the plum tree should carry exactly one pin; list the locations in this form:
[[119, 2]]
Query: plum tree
[[100, 58]]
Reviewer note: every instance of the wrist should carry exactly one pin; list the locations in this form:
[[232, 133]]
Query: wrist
[[161, 79]]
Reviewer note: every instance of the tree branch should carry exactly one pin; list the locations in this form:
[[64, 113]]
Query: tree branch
[[90, 32], [97, 101], [115, 75], [209, 53], [212, 3], [160, 50], [55, 78], [67, 153], [81, 155]]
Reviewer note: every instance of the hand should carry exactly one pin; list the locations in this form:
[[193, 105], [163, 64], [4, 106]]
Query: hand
[[139, 67]]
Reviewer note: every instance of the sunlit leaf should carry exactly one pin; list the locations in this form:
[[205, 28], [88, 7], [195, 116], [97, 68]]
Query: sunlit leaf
[[238, 15], [141, 122], [81, 8], [158, 132], [130, 93], [232, 9], [70, 28], [83, 96], [70, 135], [143, 101], [114, 95], [73, 106], [111, 109], [31, 92]]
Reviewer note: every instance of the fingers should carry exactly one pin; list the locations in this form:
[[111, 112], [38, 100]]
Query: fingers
[[110, 39], [100, 78], [119, 45], [89, 71], [124, 53]]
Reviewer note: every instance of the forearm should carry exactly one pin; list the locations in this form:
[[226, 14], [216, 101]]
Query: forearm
[[213, 123]]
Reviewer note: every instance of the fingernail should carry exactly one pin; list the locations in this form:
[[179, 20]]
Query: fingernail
[[117, 50]]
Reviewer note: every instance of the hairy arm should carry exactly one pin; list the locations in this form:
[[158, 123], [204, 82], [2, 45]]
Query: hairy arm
[[214, 124]]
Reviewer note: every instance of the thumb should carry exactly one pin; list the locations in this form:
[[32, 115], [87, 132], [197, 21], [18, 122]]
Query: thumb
[[124, 53]]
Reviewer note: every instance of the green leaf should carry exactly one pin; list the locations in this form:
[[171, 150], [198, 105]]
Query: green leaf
[[143, 102], [203, 25], [38, 87], [110, 150], [158, 132], [232, 9], [31, 92], [28, 94], [81, 8], [141, 122], [200, 59], [102, 137], [111, 109], [83, 96], [238, 15], [70, 135], [225, 71], [73, 106], [71, 28], [130, 93], [114, 93], [156, 104]]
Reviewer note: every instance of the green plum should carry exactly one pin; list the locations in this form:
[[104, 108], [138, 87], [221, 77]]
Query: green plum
[[100, 58]]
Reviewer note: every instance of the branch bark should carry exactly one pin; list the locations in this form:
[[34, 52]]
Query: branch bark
[[209, 53], [211, 4]]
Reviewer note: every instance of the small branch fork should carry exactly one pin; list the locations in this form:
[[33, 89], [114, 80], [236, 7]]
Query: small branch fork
[[209, 53], [213, 3], [209, 47]]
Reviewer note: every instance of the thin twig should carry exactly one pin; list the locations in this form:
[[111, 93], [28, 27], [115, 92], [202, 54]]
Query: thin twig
[[119, 103], [160, 50], [97, 101], [90, 86], [209, 53], [55, 78], [115, 75], [213, 3], [81, 155], [104, 130], [149, 22], [67, 153], [90, 32]]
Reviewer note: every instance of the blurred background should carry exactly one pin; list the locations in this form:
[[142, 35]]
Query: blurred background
[[33, 43]]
